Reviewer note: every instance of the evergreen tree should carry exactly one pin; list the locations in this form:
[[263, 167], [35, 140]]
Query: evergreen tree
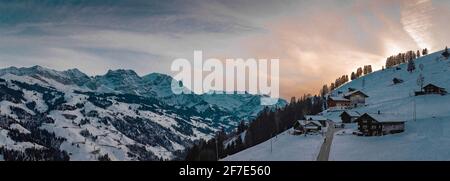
[[411, 66], [425, 52], [359, 72], [446, 54]]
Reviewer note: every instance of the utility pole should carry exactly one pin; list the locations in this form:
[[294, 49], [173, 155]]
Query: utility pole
[[271, 143], [217, 151], [415, 112]]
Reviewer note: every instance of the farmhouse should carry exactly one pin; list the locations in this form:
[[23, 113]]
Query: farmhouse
[[305, 126], [322, 120], [433, 89], [379, 124], [338, 102], [356, 97], [349, 116]]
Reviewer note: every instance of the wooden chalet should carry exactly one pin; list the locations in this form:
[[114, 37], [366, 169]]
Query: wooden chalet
[[379, 124], [322, 120], [356, 97], [305, 127], [433, 89], [349, 116], [338, 102]]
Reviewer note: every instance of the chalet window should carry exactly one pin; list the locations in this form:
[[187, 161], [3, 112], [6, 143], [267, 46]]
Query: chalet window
[[374, 127], [364, 121], [364, 126]]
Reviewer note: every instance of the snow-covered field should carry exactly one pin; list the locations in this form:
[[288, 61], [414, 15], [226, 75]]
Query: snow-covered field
[[285, 147], [427, 138]]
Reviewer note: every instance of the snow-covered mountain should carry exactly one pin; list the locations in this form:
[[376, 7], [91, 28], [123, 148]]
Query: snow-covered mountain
[[425, 138], [57, 115]]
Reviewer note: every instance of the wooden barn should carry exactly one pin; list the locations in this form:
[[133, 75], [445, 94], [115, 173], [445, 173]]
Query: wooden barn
[[305, 127], [379, 124], [349, 116], [356, 97]]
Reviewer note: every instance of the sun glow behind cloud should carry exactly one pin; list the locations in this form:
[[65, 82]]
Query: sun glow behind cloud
[[416, 20], [316, 41]]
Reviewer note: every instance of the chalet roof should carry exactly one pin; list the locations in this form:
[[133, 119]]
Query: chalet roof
[[348, 94], [352, 113], [315, 118], [339, 99], [433, 85], [309, 123], [384, 117]]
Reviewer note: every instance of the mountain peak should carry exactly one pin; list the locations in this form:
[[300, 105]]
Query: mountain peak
[[158, 79], [122, 72]]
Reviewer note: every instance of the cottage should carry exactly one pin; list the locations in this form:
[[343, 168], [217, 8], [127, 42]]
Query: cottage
[[397, 81], [305, 127], [379, 124], [349, 116], [433, 89], [322, 120], [357, 98], [338, 102]]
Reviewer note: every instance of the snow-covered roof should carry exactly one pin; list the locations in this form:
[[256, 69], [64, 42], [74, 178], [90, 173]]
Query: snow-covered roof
[[355, 92], [385, 117], [315, 118], [352, 113], [338, 99], [306, 122], [433, 85]]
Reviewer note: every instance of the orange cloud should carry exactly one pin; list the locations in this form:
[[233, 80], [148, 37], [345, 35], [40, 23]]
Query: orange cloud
[[317, 46]]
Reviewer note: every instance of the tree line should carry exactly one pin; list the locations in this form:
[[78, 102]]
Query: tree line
[[408, 56], [367, 69], [269, 123]]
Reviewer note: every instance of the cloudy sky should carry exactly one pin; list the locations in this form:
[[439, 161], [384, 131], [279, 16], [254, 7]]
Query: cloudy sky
[[316, 41]]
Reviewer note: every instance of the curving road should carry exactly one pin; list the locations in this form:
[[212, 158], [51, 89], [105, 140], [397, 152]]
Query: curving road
[[326, 146]]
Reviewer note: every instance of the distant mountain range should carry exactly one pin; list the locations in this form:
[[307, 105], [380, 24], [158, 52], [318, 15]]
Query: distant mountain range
[[59, 115]]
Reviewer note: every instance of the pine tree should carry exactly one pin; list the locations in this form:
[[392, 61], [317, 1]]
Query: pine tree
[[411, 66], [359, 72], [324, 90], [446, 54], [425, 52]]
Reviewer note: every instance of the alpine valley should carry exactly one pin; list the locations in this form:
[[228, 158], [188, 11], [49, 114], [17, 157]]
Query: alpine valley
[[66, 115]]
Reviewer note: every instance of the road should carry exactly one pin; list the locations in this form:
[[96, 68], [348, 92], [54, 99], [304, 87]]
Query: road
[[326, 146]]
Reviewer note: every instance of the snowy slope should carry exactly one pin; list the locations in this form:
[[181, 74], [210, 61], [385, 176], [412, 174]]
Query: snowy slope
[[285, 147], [427, 138], [68, 121], [423, 140], [120, 115]]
